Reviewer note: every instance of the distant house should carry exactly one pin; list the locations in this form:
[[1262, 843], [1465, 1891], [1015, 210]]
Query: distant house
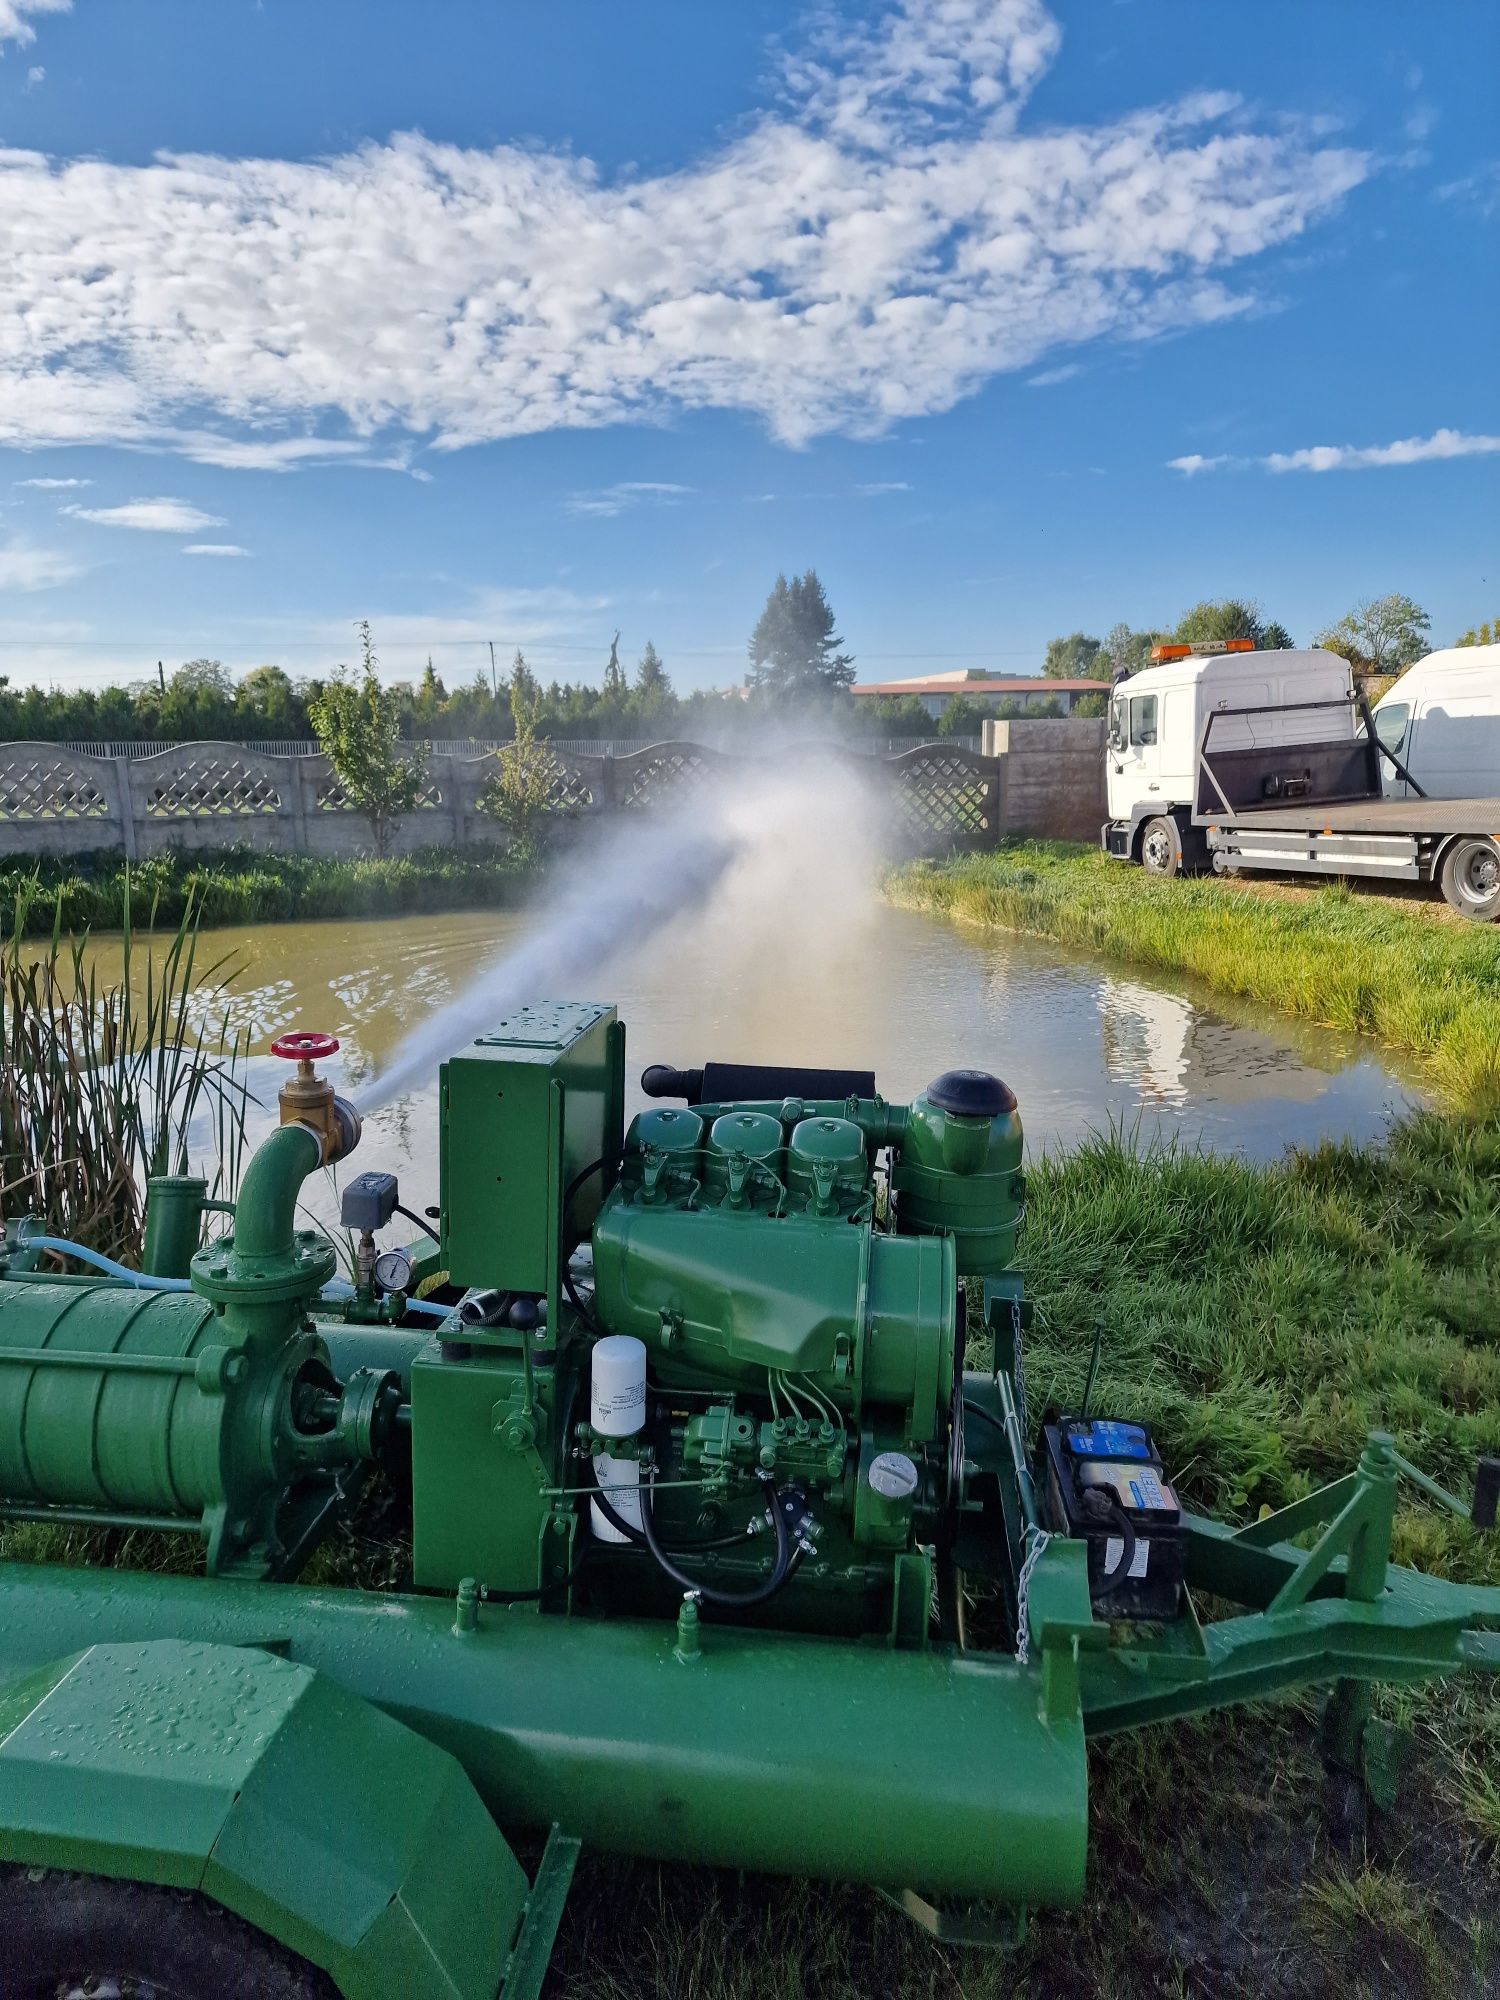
[[935, 691]]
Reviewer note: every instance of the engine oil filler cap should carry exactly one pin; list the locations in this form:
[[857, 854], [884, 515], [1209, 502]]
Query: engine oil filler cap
[[971, 1093], [892, 1475]]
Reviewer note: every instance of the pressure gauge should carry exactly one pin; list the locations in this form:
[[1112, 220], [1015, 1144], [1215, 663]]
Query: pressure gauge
[[393, 1269]]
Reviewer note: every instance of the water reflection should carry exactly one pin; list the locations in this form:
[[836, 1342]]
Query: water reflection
[[871, 987]]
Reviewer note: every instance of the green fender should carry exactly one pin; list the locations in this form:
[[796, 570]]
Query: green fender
[[325, 1823]]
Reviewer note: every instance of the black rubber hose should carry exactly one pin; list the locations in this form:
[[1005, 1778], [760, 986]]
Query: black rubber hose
[[631, 1533], [546, 1589], [1110, 1582], [413, 1217], [783, 1568]]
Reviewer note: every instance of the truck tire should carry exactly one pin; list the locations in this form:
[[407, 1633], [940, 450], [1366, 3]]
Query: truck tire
[[68, 1937], [1161, 847], [1470, 878]]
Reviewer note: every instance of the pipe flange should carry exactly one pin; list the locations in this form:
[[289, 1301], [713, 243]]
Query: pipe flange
[[221, 1274]]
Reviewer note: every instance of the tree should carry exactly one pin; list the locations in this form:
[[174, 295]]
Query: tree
[[614, 673], [266, 704], [1381, 635], [1481, 635], [1126, 651], [962, 716], [1213, 621], [1074, 658], [358, 724], [199, 702], [794, 650], [519, 793], [651, 681]]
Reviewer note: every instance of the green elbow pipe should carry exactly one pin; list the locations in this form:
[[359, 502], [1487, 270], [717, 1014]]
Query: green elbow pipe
[[266, 1211]]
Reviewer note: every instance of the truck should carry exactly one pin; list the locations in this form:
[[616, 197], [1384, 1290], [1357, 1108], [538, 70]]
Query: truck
[[1442, 719], [1228, 758]]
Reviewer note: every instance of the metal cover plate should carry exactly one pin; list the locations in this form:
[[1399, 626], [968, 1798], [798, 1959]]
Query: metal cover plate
[[549, 1025]]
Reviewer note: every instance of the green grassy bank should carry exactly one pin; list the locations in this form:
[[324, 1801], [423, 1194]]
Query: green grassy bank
[[240, 885], [1405, 970]]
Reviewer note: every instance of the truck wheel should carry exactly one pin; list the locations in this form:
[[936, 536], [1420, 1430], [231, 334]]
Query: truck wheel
[[1471, 878], [70, 1937], [1161, 850]]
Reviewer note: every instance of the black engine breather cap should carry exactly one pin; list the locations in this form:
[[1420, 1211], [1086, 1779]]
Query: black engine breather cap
[[971, 1093]]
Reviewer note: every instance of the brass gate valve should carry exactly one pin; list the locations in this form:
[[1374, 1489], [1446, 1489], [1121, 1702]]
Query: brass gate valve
[[308, 1099]]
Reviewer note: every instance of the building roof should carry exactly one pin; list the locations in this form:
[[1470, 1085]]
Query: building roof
[[968, 683]]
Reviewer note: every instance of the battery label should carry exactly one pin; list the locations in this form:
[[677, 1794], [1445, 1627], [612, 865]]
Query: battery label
[[1114, 1548], [1109, 1440], [1148, 1492]]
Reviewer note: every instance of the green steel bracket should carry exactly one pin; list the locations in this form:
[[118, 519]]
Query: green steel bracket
[[987, 1930], [328, 1825], [544, 1907], [1337, 1612]]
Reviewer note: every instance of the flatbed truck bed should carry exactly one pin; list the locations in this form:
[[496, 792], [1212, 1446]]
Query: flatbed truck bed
[[1316, 807]]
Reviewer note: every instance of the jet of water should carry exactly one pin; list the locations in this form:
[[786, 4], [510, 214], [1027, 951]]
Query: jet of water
[[601, 902]]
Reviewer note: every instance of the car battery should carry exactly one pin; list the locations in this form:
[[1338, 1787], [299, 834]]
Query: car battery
[[1103, 1484]]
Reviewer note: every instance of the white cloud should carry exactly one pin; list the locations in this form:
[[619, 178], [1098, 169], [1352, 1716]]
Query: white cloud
[[214, 549], [14, 27], [1405, 451], [878, 486], [54, 485], [26, 567], [1349, 457], [873, 249], [1051, 377], [161, 517], [1479, 190], [36, 76], [612, 500]]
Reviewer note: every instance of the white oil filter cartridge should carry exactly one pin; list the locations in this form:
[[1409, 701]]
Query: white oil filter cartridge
[[617, 1409]]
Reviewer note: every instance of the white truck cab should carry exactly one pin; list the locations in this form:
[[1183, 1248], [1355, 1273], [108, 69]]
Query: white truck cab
[[1442, 719], [1156, 723]]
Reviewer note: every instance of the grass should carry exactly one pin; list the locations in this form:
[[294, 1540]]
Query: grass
[[1407, 972], [101, 1082], [241, 885]]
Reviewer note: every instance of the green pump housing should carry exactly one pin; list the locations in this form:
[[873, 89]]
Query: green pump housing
[[701, 1458]]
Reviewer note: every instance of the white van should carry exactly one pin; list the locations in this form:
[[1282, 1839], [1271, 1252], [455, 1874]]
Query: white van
[[1156, 723], [1442, 719]]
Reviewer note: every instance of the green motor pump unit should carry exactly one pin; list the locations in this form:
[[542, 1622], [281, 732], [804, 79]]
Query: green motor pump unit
[[693, 1447]]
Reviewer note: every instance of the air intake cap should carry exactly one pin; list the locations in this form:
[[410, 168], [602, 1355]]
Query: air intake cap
[[971, 1093]]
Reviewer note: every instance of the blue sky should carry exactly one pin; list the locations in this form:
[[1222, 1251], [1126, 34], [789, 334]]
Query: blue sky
[[497, 322]]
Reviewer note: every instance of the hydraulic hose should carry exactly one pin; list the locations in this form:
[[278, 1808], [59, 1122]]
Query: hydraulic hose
[[632, 1533], [782, 1569], [142, 1280]]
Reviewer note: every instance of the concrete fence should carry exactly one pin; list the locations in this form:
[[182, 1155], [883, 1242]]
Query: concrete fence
[[1053, 785], [204, 795]]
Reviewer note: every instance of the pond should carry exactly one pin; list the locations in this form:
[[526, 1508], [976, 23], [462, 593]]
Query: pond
[[1082, 1043]]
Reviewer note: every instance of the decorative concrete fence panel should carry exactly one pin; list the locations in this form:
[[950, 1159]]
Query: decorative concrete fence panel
[[206, 795]]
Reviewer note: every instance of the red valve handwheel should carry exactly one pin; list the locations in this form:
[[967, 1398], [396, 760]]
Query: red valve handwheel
[[304, 1047]]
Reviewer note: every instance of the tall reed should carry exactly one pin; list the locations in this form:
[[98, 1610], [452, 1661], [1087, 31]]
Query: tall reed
[[104, 1082]]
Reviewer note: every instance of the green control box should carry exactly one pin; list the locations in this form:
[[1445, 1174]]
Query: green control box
[[524, 1110]]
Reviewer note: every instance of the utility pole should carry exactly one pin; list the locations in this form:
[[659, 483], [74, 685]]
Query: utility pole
[[161, 677], [494, 683]]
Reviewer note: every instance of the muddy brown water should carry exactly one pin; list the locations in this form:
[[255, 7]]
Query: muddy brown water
[[1083, 1043]]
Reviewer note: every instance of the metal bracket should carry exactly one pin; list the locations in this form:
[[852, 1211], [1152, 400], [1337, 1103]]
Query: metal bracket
[[527, 1966], [1001, 1930]]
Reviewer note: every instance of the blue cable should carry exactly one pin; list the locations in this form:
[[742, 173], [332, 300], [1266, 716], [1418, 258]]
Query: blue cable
[[141, 1279]]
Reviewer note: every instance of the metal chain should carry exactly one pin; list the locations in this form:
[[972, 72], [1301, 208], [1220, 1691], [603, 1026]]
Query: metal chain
[[1035, 1541]]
